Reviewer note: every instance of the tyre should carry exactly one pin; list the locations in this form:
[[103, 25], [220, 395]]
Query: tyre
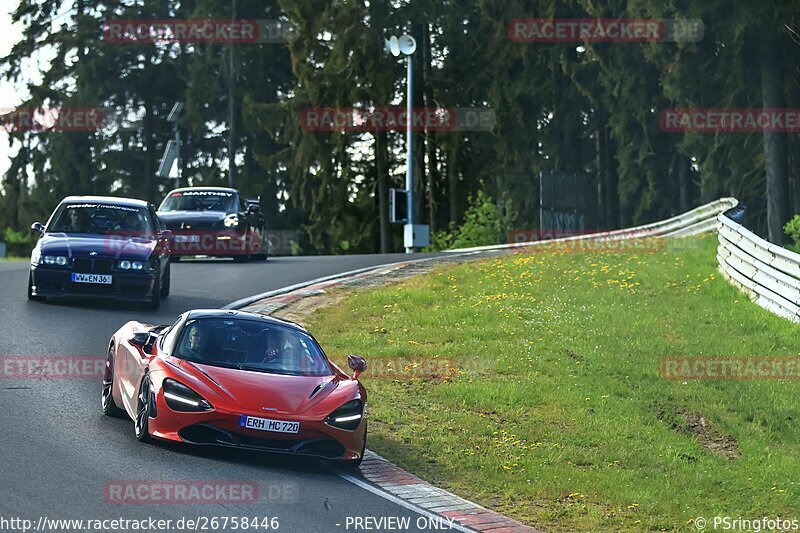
[[107, 399], [141, 426], [165, 283], [155, 299]]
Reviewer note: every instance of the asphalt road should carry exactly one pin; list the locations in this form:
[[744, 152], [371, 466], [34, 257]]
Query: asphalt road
[[59, 451]]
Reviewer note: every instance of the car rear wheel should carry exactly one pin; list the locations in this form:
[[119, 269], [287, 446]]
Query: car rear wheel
[[109, 407], [155, 299], [141, 425]]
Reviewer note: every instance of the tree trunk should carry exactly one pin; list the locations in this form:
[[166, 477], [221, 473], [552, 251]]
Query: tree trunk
[[430, 150], [382, 170], [452, 178], [775, 152], [684, 184], [232, 108]]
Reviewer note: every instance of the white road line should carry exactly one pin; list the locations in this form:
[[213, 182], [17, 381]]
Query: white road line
[[394, 499]]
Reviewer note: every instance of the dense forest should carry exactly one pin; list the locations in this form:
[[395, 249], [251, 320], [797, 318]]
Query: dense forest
[[590, 108]]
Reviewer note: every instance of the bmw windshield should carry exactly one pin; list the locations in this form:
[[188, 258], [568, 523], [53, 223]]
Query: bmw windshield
[[251, 345], [101, 219]]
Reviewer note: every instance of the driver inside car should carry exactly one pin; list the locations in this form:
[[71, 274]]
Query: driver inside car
[[195, 342], [78, 221], [281, 352]]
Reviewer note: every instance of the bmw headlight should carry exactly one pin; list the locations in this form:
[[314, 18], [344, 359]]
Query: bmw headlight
[[348, 416], [58, 260], [231, 221], [125, 264], [179, 397]]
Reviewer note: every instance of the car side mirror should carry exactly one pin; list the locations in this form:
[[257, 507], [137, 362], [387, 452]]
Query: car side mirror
[[140, 338], [38, 227], [165, 234], [357, 364], [252, 208]]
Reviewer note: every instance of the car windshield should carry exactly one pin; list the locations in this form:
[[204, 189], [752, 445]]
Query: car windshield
[[200, 201], [102, 219], [251, 345]]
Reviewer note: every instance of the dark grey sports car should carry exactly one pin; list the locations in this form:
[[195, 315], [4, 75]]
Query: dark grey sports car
[[215, 221]]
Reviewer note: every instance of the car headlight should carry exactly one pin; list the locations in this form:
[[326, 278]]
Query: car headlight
[[125, 264], [58, 260], [348, 416], [231, 221], [179, 397]]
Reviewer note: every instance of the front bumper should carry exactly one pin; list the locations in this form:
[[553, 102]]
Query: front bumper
[[54, 282], [220, 427]]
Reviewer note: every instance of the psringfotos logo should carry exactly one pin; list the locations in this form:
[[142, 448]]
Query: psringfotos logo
[[152, 492], [764, 523]]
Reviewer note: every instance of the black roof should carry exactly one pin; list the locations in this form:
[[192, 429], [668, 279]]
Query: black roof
[[241, 315]]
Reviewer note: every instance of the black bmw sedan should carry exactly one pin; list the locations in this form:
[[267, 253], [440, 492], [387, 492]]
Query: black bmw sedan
[[215, 221], [101, 247]]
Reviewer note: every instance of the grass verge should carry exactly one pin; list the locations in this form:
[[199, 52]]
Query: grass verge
[[530, 384]]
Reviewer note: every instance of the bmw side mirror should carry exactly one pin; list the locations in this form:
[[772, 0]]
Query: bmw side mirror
[[38, 227], [357, 364]]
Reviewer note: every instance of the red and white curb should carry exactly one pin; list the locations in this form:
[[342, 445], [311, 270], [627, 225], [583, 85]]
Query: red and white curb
[[386, 479], [408, 487]]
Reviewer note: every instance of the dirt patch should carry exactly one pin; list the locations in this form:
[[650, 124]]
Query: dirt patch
[[300, 310], [693, 423]]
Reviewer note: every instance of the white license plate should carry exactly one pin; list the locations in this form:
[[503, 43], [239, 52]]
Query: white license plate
[[187, 238], [266, 424], [102, 279]]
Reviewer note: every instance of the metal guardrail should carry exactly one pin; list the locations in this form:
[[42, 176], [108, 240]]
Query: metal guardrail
[[699, 220], [766, 272]]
